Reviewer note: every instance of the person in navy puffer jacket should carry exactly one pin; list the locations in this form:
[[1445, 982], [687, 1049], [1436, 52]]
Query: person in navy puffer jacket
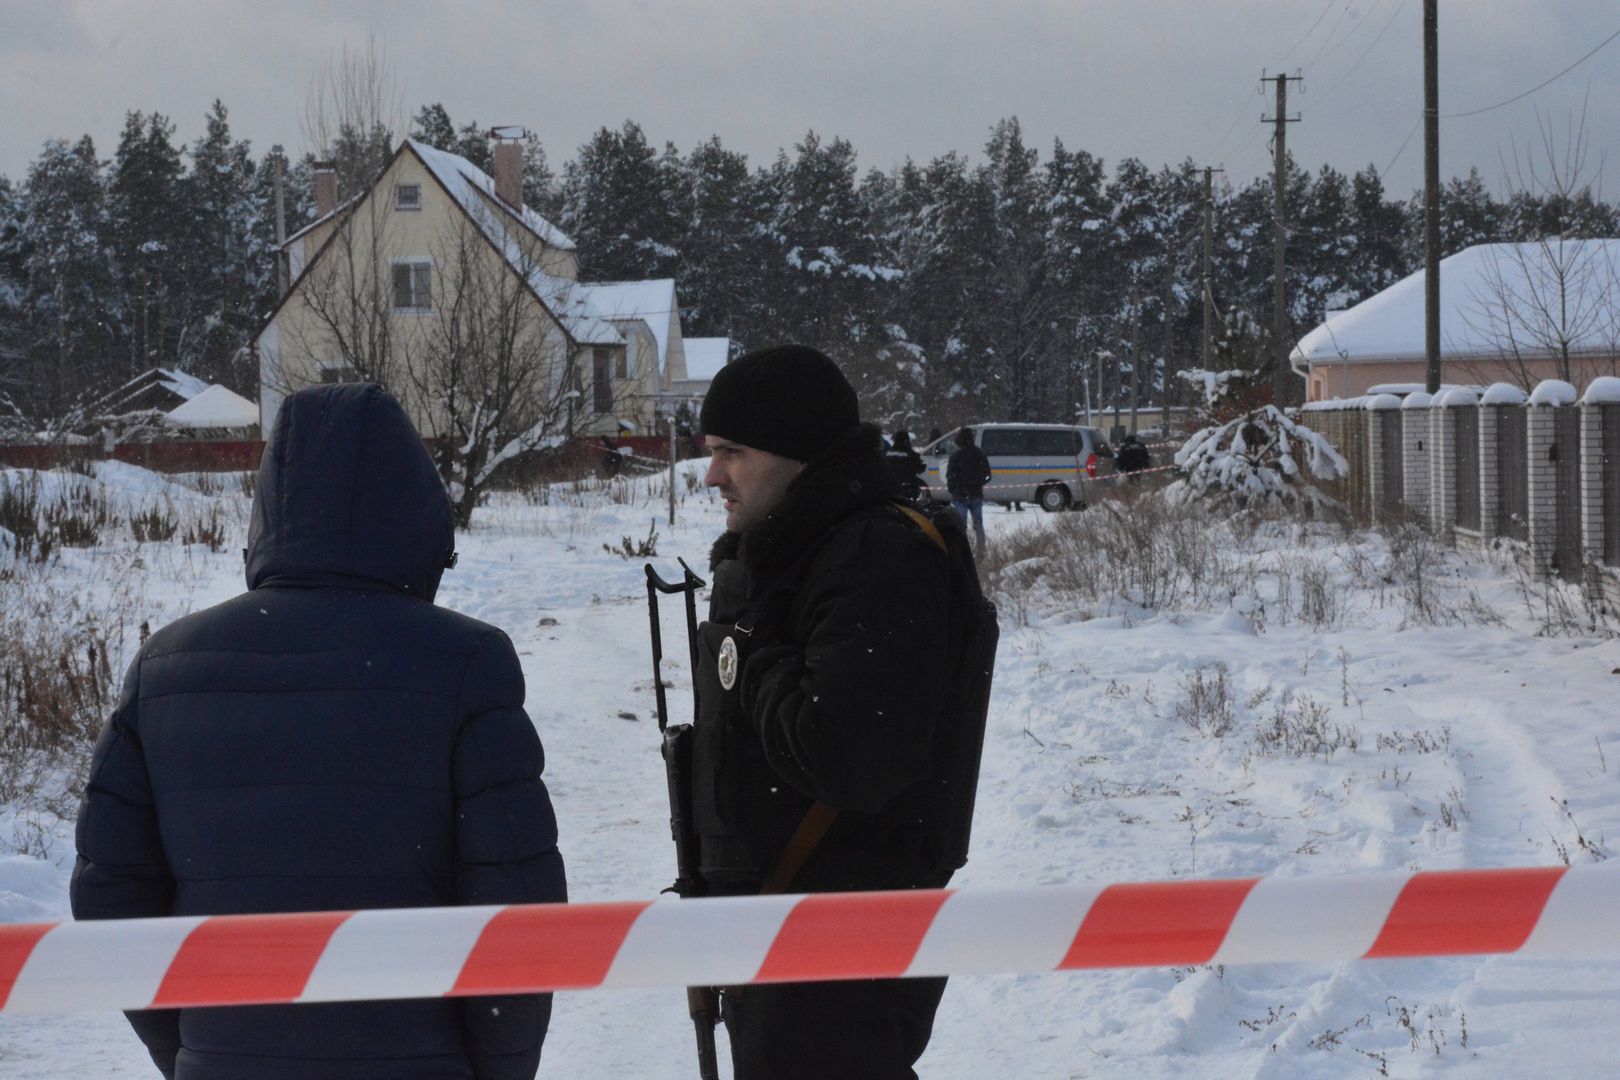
[[329, 740]]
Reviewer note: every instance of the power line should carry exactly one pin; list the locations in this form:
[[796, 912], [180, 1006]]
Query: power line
[[1364, 54], [1404, 141], [1538, 86], [1329, 39], [1308, 33]]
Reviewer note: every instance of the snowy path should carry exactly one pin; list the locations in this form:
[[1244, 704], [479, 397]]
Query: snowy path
[[1469, 742]]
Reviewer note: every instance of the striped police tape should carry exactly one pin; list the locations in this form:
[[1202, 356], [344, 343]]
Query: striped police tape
[[433, 952]]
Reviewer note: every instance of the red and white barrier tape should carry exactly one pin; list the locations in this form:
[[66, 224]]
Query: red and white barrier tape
[[433, 952]]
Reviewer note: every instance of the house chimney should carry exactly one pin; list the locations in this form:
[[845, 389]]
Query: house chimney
[[325, 188], [509, 164]]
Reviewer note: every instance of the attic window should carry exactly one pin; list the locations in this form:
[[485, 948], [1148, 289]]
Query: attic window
[[407, 196], [413, 286], [339, 373]]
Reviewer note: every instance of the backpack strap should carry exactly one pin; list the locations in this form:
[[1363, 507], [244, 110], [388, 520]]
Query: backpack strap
[[919, 519]]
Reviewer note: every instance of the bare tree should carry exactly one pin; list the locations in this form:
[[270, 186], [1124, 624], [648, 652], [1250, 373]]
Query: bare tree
[[488, 370], [1555, 295], [352, 108]]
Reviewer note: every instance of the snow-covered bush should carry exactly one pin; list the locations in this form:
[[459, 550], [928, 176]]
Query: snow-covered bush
[[1256, 461]]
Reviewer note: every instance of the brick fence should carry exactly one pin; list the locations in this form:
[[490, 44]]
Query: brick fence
[[1539, 474]]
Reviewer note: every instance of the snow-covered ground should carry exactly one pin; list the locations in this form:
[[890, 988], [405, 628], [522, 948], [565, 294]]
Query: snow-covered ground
[[1359, 738]]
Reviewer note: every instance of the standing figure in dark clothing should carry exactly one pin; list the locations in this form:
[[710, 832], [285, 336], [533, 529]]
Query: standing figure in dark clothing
[[329, 740], [823, 687], [906, 465], [1132, 456], [612, 458], [966, 474]]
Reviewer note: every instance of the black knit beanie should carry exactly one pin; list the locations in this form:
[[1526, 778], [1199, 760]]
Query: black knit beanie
[[789, 400]]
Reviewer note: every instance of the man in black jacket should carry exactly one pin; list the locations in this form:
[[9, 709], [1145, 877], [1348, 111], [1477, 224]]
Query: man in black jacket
[[966, 474], [328, 740], [822, 682]]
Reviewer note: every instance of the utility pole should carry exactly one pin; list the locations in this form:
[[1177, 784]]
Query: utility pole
[[1207, 290], [279, 158], [1431, 196], [1279, 291]]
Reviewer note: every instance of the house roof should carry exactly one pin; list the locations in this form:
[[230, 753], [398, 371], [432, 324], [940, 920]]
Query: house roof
[[1474, 316], [473, 190], [215, 407], [650, 301], [705, 356], [125, 398], [464, 181]]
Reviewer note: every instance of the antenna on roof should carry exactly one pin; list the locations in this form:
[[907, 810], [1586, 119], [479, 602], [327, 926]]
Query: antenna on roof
[[509, 131]]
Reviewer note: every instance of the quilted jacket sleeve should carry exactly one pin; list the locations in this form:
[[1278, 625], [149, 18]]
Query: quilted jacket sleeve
[[506, 840], [121, 872]]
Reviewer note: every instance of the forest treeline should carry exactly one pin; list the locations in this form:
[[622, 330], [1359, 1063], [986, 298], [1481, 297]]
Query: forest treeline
[[1009, 282]]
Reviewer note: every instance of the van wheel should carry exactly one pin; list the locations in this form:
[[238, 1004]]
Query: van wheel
[[1053, 499]]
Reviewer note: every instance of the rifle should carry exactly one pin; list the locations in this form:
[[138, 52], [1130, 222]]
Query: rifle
[[701, 1001]]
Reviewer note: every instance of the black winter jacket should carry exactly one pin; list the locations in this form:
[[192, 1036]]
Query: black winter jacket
[[967, 472], [327, 740], [844, 675]]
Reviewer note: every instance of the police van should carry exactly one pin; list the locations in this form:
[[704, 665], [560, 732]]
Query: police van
[[1046, 464]]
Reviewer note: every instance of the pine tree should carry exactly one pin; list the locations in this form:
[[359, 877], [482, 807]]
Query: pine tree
[[229, 256], [432, 126], [613, 211], [825, 254], [72, 291], [147, 220], [721, 250]]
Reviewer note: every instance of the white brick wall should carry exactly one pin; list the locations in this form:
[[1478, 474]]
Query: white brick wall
[[1542, 485], [1415, 463], [1490, 491]]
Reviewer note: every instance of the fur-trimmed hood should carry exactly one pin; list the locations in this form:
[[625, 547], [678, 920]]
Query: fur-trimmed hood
[[847, 476]]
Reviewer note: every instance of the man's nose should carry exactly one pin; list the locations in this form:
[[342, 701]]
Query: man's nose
[[712, 475]]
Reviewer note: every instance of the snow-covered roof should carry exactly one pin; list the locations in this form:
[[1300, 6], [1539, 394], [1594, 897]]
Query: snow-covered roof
[[466, 182], [215, 407], [1455, 397], [705, 356], [1390, 324], [650, 301]]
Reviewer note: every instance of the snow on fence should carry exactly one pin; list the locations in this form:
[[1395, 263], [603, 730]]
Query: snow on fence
[[1539, 471], [467, 951]]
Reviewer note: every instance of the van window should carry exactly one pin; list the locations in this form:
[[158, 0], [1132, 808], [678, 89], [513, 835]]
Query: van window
[[1047, 442], [1004, 442]]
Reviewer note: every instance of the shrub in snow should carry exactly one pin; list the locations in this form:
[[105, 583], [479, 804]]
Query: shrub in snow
[[1255, 461]]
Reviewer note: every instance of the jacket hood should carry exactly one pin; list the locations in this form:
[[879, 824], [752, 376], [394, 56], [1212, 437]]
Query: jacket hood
[[348, 495], [847, 476]]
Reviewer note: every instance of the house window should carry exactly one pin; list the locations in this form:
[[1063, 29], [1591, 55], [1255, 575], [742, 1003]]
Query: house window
[[602, 380], [339, 373], [413, 286], [407, 196]]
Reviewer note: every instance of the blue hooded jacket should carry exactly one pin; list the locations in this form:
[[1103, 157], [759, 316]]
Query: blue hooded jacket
[[328, 740]]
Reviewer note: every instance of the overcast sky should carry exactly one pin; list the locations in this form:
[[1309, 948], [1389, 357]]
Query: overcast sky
[[1162, 80]]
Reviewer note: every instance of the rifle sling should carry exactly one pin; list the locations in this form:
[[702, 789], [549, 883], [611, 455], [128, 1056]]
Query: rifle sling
[[800, 846]]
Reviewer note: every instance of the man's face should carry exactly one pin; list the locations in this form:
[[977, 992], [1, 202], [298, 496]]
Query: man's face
[[751, 481]]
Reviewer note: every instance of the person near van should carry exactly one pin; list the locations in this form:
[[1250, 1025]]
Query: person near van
[[906, 465], [1132, 456], [329, 740], [966, 474], [824, 678]]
